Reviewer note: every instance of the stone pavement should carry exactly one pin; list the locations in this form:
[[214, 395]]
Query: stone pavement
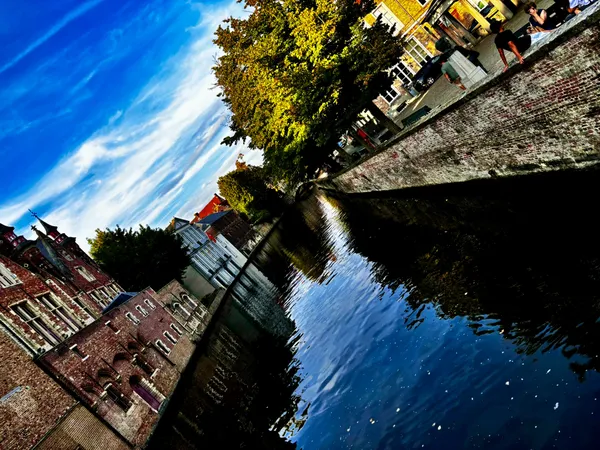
[[442, 92]]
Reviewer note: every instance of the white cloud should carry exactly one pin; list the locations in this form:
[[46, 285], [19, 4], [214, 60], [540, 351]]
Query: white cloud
[[77, 12], [143, 166]]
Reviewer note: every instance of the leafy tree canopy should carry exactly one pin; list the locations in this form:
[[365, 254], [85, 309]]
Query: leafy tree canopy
[[247, 191], [295, 73], [142, 258]]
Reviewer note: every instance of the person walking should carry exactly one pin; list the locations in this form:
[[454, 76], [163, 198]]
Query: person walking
[[451, 74]]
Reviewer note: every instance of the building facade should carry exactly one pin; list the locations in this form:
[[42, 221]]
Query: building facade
[[462, 22], [125, 364], [83, 364]]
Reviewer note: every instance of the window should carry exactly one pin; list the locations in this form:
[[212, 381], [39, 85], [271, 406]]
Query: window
[[83, 306], [386, 16], [423, 2], [78, 352], [7, 278], [181, 310], [132, 318], [390, 95], [403, 72], [110, 325], [28, 315], [98, 299], [176, 329], [170, 337], [58, 310], [85, 274], [142, 311], [187, 299], [150, 304], [161, 345], [415, 49]]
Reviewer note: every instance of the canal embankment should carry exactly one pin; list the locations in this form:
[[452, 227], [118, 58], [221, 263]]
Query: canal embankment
[[538, 117]]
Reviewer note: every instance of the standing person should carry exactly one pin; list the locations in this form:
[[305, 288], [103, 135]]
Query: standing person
[[506, 40], [539, 17], [451, 74]]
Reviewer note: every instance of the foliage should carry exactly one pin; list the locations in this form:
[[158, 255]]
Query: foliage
[[247, 191], [295, 74], [142, 258]]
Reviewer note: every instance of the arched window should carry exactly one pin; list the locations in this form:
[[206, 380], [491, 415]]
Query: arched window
[[188, 300], [146, 391], [179, 309]]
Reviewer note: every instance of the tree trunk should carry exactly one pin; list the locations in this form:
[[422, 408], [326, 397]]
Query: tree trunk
[[383, 119]]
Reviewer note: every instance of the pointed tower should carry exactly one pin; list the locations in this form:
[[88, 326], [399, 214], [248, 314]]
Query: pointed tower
[[51, 230]]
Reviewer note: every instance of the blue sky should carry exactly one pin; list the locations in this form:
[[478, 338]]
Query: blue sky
[[108, 112]]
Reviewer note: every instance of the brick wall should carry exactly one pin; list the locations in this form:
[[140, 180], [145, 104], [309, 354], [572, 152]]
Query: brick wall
[[31, 403], [29, 287], [538, 117], [109, 360]]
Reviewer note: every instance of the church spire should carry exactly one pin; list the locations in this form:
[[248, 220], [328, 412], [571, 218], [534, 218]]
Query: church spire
[[51, 230]]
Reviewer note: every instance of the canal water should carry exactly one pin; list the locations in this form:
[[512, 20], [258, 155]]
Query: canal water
[[456, 317]]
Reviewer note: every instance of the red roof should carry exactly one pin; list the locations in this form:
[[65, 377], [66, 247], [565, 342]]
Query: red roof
[[216, 204]]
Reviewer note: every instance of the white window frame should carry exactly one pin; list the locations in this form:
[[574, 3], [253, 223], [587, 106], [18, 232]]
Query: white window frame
[[59, 310], [78, 352], [388, 17], [404, 70], [392, 89], [420, 60], [170, 337], [29, 314], [132, 318], [141, 310], [176, 329], [150, 304], [161, 345], [85, 274], [7, 278]]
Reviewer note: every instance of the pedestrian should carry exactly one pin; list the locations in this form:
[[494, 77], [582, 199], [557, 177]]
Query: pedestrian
[[539, 19], [507, 41], [451, 74]]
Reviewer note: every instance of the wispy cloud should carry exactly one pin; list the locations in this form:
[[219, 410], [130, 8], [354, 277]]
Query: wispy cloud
[[72, 15], [151, 159]]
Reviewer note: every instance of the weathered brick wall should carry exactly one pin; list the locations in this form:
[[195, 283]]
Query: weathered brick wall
[[106, 353], [31, 286], [31, 403], [538, 117], [80, 429]]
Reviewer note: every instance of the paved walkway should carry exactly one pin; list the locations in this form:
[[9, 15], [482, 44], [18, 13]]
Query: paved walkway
[[442, 92]]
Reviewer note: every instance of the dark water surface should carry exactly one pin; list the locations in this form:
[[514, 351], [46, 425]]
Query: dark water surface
[[460, 317]]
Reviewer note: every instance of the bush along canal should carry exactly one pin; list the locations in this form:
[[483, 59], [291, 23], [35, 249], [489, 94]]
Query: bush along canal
[[457, 317]]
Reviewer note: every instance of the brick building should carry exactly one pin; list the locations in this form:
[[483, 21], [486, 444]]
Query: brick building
[[230, 225], [82, 364], [125, 364]]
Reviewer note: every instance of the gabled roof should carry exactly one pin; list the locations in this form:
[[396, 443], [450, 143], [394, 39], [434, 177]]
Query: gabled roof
[[215, 204], [209, 220], [177, 224], [119, 300]]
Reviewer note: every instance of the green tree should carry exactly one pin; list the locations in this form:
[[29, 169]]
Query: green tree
[[142, 258], [296, 73], [247, 191]]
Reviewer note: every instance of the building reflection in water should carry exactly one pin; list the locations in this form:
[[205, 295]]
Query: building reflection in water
[[523, 260]]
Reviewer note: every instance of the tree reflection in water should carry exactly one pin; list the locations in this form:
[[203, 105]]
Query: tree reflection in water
[[522, 260]]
